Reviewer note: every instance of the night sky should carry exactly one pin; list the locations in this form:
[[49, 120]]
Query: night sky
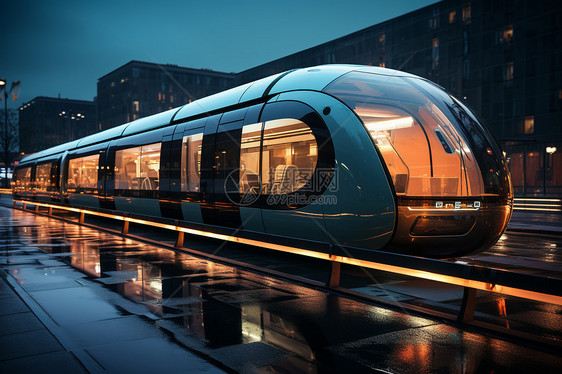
[[63, 47]]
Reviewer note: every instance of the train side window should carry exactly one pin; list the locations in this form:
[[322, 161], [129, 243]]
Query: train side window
[[23, 178], [191, 162], [83, 172], [249, 182], [289, 156], [138, 168], [43, 176]]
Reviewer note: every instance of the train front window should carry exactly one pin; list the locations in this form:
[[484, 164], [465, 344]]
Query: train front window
[[424, 151], [82, 173], [138, 168]]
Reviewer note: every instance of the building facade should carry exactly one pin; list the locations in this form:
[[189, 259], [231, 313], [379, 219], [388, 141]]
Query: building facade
[[46, 122], [138, 89], [503, 58]]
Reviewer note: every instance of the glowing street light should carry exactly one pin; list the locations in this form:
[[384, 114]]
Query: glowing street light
[[71, 116], [550, 150]]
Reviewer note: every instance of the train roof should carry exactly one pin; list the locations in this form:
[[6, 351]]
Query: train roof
[[312, 78]]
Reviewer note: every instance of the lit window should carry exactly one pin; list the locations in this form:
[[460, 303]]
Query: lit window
[[136, 106], [289, 156], [43, 176], [508, 34], [23, 178], [509, 71], [435, 53], [382, 39], [82, 173], [112, 84], [452, 16], [529, 125], [382, 64], [191, 162], [138, 168], [250, 160], [466, 13]]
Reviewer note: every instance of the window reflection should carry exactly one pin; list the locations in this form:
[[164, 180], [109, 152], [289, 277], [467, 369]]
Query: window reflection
[[83, 172], [289, 156], [250, 159], [191, 162], [43, 176], [23, 178], [138, 168]]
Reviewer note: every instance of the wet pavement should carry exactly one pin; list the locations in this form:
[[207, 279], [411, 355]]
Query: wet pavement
[[117, 305], [537, 222]]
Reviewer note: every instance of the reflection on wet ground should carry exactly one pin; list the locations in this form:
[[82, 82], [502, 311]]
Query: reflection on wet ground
[[91, 282]]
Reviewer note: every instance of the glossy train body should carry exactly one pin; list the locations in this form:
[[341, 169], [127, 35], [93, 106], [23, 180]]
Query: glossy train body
[[349, 155]]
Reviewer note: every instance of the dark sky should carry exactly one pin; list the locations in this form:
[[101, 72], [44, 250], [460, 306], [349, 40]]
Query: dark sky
[[62, 47]]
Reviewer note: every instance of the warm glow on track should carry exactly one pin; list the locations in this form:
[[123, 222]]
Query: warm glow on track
[[497, 288]]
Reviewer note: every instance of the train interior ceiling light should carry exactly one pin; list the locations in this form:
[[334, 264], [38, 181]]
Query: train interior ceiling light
[[359, 156]]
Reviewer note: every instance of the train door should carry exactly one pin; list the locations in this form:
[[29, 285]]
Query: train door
[[220, 172], [221, 160], [191, 169], [55, 180], [106, 175], [170, 174]]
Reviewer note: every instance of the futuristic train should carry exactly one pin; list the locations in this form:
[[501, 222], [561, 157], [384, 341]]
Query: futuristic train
[[353, 156]]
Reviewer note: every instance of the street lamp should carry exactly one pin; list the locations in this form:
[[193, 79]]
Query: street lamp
[[71, 116], [548, 165], [4, 93]]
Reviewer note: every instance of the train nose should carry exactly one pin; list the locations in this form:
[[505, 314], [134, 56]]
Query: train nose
[[450, 228], [449, 176]]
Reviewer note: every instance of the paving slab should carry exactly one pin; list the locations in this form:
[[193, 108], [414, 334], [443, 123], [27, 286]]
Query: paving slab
[[150, 355], [18, 323], [27, 344], [54, 362]]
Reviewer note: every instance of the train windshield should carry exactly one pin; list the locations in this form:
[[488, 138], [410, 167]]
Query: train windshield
[[431, 144]]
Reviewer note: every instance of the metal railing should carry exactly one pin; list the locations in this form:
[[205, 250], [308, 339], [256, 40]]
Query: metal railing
[[536, 204]]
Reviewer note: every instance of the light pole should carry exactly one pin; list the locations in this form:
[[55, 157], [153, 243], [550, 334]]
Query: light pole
[[547, 167], [6, 139], [69, 115]]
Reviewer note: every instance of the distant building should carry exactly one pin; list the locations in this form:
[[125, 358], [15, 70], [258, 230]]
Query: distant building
[[45, 122], [138, 89], [504, 58]]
